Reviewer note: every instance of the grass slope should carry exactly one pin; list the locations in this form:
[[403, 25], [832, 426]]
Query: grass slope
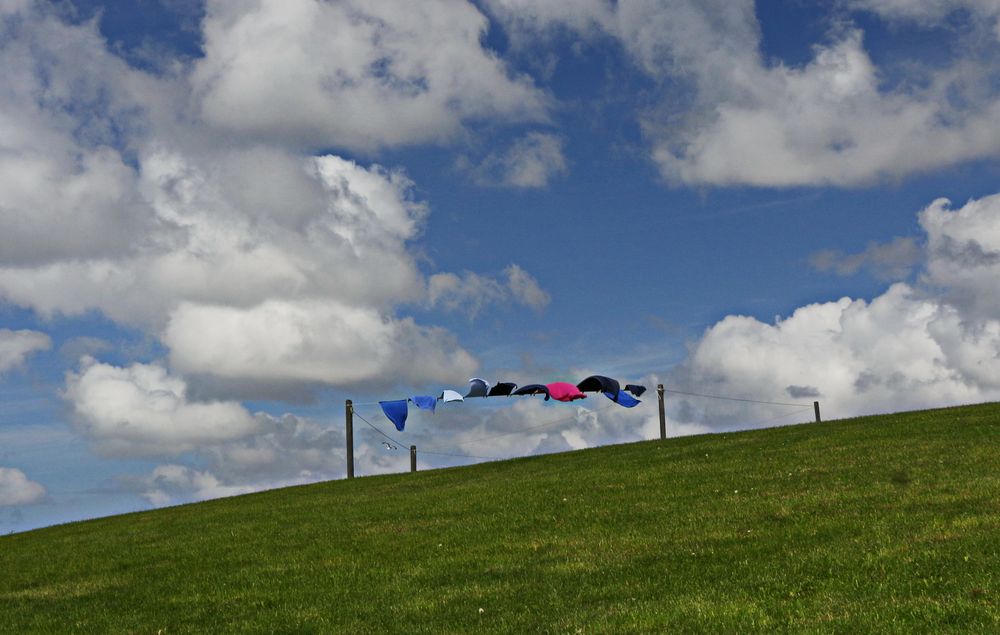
[[888, 524]]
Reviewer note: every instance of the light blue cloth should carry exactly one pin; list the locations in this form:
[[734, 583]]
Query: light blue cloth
[[396, 411], [623, 399], [425, 402], [450, 395]]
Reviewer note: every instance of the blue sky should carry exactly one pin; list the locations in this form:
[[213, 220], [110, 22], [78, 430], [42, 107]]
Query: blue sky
[[218, 220]]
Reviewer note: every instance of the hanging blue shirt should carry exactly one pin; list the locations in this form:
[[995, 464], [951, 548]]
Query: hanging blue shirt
[[396, 411], [425, 402]]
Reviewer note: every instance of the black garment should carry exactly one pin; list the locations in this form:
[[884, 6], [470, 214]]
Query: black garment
[[502, 389], [635, 389]]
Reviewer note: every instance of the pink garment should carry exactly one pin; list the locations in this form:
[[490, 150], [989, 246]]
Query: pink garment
[[563, 391]]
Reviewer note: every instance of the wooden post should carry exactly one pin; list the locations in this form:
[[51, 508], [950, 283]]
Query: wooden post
[[413, 458], [349, 423], [663, 416], [816, 409]]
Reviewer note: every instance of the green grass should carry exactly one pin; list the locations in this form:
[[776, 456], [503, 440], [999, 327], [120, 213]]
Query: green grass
[[887, 524]]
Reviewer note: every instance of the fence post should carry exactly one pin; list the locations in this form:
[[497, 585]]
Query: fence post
[[413, 458], [663, 416], [816, 409], [349, 424]]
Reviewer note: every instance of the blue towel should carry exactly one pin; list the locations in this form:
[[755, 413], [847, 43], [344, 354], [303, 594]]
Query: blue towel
[[623, 399], [424, 402], [396, 411]]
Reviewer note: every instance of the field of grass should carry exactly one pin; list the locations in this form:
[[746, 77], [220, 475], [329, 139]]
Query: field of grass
[[885, 524]]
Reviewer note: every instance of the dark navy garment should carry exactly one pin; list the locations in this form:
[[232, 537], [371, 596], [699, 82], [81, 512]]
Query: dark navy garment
[[635, 389], [599, 383], [396, 411], [425, 402], [622, 398], [533, 389]]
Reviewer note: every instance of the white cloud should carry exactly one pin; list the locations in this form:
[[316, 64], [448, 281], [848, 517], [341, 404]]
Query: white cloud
[[310, 341], [911, 347], [525, 289], [323, 227], [194, 224], [66, 190], [927, 11], [290, 451], [889, 261], [829, 122], [530, 162], [17, 489], [143, 410], [471, 292], [964, 255], [742, 120], [354, 74], [538, 16], [171, 483], [16, 346]]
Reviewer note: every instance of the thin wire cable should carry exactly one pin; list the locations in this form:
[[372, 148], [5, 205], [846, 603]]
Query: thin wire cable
[[678, 392], [769, 403], [538, 427], [379, 403], [373, 427], [405, 446]]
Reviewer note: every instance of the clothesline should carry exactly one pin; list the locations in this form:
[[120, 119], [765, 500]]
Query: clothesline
[[397, 410], [400, 444], [538, 427], [769, 403]]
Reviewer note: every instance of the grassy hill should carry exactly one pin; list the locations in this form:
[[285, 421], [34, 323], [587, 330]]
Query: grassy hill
[[888, 524]]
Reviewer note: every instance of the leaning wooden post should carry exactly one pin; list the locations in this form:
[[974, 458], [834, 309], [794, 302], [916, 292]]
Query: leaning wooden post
[[349, 422], [663, 416], [413, 458], [816, 409]]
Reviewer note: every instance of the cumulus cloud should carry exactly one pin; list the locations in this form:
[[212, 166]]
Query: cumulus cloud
[[171, 482], [325, 225], [63, 110], [886, 261], [530, 162], [740, 119], [931, 344], [322, 342], [196, 228], [539, 16], [18, 489], [927, 11], [963, 248], [16, 346], [471, 292], [354, 74], [143, 410], [292, 450]]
